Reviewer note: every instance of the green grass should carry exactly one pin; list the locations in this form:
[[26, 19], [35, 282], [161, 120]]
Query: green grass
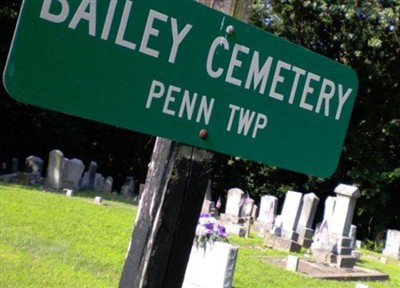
[[49, 240]]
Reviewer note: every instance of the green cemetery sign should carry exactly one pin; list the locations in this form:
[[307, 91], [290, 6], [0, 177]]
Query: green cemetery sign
[[173, 70]]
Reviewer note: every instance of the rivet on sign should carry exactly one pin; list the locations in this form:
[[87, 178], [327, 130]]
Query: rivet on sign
[[203, 134], [230, 30]]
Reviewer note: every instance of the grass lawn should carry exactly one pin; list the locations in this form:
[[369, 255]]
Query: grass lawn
[[49, 240]]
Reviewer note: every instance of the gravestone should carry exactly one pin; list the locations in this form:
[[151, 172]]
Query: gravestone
[[98, 200], [232, 219], [72, 173], [266, 215], [337, 250], [292, 263], [212, 267], [392, 245], [34, 165], [233, 208], [108, 183], [92, 174], [14, 165], [286, 238], [208, 206], [98, 182], [247, 208], [129, 187], [307, 214], [84, 182], [68, 192], [54, 169]]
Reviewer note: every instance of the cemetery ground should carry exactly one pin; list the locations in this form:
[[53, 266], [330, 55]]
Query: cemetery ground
[[49, 240]]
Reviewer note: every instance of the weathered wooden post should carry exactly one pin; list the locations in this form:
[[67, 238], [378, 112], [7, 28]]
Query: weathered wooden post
[[166, 221], [170, 206]]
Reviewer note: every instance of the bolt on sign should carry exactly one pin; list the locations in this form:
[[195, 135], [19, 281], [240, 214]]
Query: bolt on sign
[[175, 70]]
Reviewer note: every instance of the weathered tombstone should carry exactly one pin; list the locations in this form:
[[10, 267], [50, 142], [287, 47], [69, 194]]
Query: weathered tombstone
[[98, 182], [286, 238], [307, 214], [266, 215], [14, 165], [34, 165], [92, 174], [338, 249], [54, 169], [392, 245], [72, 173], [235, 195], [84, 182], [247, 208], [129, 187], [108, 183], [233, 208], [208, 206]]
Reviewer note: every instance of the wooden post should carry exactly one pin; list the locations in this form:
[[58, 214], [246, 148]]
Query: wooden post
[[171, 203], [169, 209]]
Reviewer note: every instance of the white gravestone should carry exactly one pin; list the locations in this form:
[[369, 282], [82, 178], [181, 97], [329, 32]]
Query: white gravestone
[[212, 267], [291, 214], [344, 209], [268, 209], [233, 202], [247, 208], [307, 214], [54, 169], [338, 249], [392, 245]]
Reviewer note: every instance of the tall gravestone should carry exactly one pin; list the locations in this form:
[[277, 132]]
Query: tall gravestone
[[54, 169], [266, 215], [392, 245], [336, 248], [92, 174], [285, 238], [307, 214], [72, 173]]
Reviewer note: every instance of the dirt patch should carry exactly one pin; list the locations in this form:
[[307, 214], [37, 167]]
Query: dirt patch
[[324, 271]]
